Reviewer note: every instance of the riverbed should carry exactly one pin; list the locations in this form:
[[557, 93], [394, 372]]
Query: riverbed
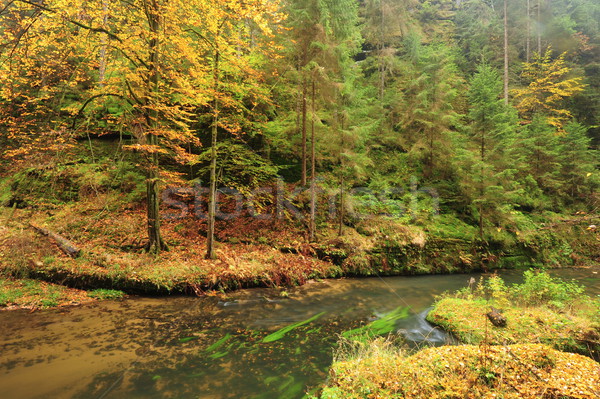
[[256, 343]]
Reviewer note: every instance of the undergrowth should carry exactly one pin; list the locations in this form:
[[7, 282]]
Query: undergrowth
[[541, 309]]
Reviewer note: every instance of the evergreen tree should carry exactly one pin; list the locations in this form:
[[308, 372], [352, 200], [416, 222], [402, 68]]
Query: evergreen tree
[[492, 127], [579, 163], [428, 112], [536, 152]]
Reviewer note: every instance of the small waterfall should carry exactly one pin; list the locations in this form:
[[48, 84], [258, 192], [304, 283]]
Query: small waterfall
[[419, 332]]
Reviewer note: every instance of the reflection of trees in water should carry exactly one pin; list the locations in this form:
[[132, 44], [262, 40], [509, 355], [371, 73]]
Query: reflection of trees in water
[[240, 366]]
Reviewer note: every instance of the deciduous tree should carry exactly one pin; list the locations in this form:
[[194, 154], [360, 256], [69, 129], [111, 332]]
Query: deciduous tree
[[549, 81]]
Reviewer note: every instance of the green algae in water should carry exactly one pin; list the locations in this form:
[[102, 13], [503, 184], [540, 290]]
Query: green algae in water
[[187, 339], [219, 343], [218, 355], [277, 335], [285, 386], [383, 326]]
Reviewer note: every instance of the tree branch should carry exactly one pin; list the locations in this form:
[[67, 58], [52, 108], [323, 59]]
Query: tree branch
[[6, 6], [89, 100], [22, 32], [87, 27], [130, 89]]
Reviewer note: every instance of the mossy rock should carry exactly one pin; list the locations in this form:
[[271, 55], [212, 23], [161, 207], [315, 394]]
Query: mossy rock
[[390, 233]]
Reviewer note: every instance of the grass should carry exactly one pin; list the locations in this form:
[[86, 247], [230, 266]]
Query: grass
[[33, 294]]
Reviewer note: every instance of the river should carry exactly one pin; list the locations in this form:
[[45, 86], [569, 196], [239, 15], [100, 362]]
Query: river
[[218, 347]]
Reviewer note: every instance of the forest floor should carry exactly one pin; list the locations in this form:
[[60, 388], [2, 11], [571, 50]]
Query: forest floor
[[251, 252], [112, 257]]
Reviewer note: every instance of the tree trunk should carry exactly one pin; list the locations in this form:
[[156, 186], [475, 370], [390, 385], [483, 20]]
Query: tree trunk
[[104, 39], [299, 107], [481, 184], [381, 55], [429, 171], [155, 241], [506, 52], [528, 40], [63, 244], [341, 155], [539, 27], [212, 195], [313, 194], [303, 178]]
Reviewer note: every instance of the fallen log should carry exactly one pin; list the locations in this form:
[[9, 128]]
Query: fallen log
[[65, 245]]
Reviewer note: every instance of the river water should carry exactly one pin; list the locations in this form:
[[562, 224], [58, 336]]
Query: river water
[[213, 347]]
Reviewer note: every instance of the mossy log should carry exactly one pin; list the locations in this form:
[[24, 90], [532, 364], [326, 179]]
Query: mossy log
[[65, 245]]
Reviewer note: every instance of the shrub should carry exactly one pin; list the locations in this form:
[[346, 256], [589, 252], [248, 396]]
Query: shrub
[[498, 291], [540, 287]]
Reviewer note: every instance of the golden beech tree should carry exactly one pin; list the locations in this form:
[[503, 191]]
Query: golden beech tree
[[38, 69], [235, 32], [159, 58], [548, 85]]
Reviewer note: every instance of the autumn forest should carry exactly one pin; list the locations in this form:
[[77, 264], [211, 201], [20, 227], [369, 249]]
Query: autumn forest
[[198, 147]]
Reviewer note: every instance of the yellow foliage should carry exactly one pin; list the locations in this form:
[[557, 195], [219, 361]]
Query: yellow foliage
[[155, 58], [467, 371], [549, 83]]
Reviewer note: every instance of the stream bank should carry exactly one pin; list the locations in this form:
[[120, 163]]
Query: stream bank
[[252, 253], [213, 346], [541, 339]]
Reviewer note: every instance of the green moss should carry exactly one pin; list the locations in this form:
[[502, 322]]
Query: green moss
[[103, 293], [36, 294], [542, 309]]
